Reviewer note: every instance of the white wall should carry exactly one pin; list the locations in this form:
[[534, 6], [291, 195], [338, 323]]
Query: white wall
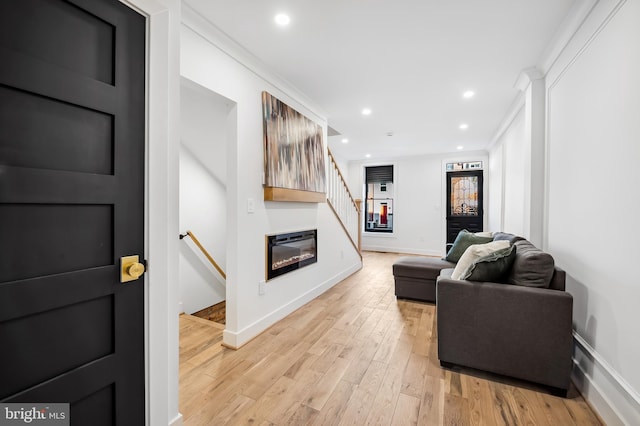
[[203, 195], [419, 217], [514, 166], [209, 59], [495, 197], [593, 108], [343, 165]]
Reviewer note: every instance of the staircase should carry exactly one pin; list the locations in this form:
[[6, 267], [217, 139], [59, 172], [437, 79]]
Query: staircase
[[343, 205], [216, 313]]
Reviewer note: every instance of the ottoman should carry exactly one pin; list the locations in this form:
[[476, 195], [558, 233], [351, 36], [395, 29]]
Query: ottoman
[[415, 277]]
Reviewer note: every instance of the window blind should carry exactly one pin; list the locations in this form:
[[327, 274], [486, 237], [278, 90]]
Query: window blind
[[379, 174]]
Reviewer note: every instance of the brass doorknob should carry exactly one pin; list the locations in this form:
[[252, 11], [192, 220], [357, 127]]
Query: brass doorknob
[[130, 268], [135, 270]]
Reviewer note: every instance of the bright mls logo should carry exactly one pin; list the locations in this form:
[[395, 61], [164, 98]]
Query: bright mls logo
[[34, 414]]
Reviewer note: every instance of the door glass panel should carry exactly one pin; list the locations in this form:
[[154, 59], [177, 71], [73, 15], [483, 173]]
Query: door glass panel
[[379, 213], [464, 196]]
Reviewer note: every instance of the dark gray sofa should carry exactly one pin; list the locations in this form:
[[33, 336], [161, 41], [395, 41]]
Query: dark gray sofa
[[514, 330], [415, 277]]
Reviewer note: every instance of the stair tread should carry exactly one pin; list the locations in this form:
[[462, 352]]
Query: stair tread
[[204, 321]]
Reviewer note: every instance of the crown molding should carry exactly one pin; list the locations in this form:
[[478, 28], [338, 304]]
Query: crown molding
[[206, 29], [565, 33]]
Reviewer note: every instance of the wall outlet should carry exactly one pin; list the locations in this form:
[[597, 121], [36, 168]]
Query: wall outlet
[[251, 205], [261, 287]]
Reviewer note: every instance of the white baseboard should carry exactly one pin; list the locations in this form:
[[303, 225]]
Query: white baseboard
[[616, 402], [237, 339], [177, 421], [385, 249]]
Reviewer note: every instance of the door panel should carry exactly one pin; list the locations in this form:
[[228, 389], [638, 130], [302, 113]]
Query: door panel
[[100, 402], [57, 330], [87, 232], [85, 135], [85, 47], [71, 205]]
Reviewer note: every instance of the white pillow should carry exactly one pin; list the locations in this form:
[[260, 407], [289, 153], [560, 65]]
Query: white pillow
[[475, 252]]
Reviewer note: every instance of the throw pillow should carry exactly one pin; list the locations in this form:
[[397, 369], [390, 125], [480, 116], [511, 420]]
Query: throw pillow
[[492, 267], [506, 236], [484, 234], [532, 267], [472, 254], [462, 242]]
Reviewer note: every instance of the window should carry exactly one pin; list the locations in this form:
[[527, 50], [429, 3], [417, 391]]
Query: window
[[378, 210]]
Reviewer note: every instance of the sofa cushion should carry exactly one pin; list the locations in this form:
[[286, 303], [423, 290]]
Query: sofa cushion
[[427, 268], [474, 253], [493, 267], [462, 242], [532, 267], [446, 273]]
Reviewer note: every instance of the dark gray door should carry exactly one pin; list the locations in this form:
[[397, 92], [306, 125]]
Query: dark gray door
[[464, 203], [72, 117]]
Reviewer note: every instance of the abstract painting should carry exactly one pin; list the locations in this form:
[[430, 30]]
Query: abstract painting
[[294, 155]]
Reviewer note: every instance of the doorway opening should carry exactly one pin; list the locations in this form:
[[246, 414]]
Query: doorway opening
[[464, 203], [205, 121]]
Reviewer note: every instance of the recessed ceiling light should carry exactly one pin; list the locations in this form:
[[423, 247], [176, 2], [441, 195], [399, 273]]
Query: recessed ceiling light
[[468, 94], [368, 155], [464, 126], [366, 111], [282, 19], [345, 140], [460, 147]]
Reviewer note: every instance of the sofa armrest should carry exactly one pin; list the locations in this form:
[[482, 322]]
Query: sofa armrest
[[517, 331]]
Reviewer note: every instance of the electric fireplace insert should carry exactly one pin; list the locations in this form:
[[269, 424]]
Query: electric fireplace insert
[[290, 251]]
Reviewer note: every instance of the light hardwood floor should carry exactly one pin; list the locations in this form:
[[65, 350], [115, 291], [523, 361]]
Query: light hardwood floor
[[353, 356]]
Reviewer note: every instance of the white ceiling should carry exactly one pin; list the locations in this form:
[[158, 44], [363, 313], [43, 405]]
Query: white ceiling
[[407, 60]]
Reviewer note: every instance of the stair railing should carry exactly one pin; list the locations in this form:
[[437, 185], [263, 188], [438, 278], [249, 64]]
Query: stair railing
[[344, 206], [205, 252]]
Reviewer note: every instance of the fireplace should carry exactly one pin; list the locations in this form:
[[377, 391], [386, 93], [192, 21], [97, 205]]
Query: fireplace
[[290, 251]]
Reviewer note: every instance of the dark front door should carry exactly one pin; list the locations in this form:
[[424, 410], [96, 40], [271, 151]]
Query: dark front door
[[464, 203], [72, 120]]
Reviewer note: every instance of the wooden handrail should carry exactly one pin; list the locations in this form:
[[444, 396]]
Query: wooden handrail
[[353, 243], [344, 181], [205, 252]]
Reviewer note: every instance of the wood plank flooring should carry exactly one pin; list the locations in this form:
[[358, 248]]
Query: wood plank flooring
[[353, 356]]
